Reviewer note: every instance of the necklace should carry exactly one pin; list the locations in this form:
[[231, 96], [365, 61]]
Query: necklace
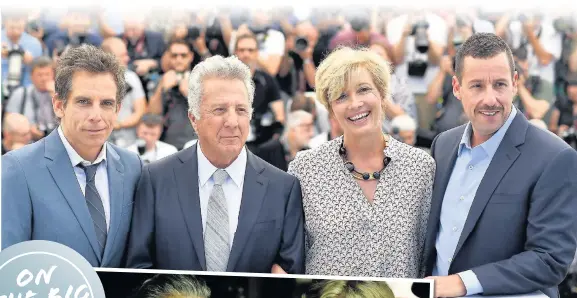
[[365, 175]]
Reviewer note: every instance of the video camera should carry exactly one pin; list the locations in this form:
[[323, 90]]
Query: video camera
[[419, 31], [15, 64], [418, 67]]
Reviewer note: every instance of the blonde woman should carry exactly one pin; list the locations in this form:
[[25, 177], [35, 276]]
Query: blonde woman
[[366, 196], [354, 289]]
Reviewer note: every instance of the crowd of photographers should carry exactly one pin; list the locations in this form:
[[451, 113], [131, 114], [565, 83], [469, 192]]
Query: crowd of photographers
[[282, 47]]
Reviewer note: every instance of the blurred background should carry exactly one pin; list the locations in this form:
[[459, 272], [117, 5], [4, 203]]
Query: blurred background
[[283, 46]]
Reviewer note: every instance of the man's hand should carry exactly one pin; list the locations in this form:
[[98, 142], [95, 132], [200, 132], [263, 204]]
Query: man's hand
[[143, 66], [169, 80], [276, 269], [447, 65], [449, 286]]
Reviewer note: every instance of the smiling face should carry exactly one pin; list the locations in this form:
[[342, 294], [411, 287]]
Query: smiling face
[[90, 111], [486, 91], [359, 109]]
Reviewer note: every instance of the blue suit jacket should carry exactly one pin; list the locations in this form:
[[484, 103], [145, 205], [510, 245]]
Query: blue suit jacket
[[167, 230], [520, 234], [42, 200]]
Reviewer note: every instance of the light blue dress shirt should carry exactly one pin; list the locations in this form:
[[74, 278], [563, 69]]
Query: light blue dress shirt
[[470, 167]]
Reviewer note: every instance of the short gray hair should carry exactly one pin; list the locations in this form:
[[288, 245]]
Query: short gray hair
[[90, 59], [404, 123], [295, 118], [175, 285], [217, 67]]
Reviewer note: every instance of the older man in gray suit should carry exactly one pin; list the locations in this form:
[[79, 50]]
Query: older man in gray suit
[[216, 206], [503, 211]]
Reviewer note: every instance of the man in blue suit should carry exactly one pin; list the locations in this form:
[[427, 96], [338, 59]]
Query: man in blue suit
[[72, 187], [503, 211], [216, 206]]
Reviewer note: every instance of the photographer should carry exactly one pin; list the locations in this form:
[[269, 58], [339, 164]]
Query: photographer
[[271, 43], [297, 70], [170, 97], [76, 32], [35, 101], [18, 50], [402, 99], [419, 42], [448, 109], [359, 33], [145, 49], [526, 101], [134, 102], [564, 115], [537, 46], [148, 145], [268, 107]]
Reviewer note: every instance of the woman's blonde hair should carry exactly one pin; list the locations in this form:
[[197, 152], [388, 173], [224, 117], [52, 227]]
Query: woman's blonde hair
[[335, 72], [355, 289]]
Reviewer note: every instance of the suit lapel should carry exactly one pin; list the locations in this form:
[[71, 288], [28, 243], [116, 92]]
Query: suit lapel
[[62, 172], [445, 164], [186, 176], [115, 171], [503, 159], [254, 189]]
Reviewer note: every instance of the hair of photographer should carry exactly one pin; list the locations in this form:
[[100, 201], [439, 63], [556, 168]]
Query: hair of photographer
[[171, 286], [41, 62], [152, 120], [302, 102], [217, 67], [294, 119], [355, 289]]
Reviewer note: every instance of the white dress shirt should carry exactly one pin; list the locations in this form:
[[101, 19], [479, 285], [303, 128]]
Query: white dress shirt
[[101, 178], [232, 188], [160, 151]]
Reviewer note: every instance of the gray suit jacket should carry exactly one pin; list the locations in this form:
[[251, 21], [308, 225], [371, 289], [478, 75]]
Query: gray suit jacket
[[520, 234], [167, 230], [41, 200]]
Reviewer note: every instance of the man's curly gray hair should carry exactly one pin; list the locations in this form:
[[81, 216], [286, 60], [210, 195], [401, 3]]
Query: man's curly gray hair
[[217, 67]]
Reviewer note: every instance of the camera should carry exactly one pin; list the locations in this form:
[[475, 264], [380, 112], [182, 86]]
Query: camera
[[33, 26], [15, 63], [193, 33], [419, 31], [301, 44], [213, 29]]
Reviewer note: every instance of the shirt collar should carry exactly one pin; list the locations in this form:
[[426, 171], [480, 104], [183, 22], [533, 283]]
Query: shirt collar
[[235, 170], [490, 146], [75, 158]]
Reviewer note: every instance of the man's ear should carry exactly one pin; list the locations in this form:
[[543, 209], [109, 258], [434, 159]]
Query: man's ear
[[58, 106], [193, 120], [456, 87]]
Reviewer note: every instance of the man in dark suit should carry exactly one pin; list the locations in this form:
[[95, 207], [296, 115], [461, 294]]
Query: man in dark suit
[[216, 206], [72, 187], [502, 217]]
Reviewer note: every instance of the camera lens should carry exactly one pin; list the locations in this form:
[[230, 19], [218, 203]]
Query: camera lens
[[301, 44]]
